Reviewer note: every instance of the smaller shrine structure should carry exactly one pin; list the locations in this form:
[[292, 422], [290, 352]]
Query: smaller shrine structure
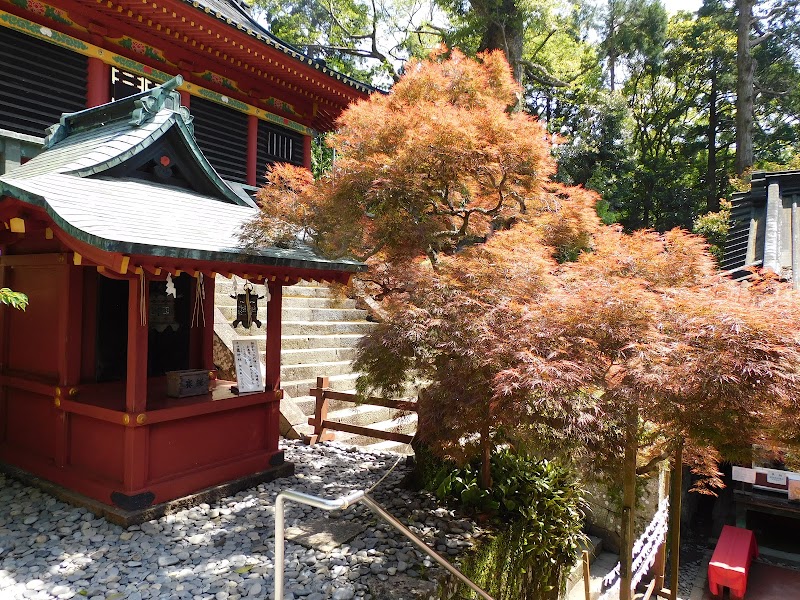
[[116, 233]]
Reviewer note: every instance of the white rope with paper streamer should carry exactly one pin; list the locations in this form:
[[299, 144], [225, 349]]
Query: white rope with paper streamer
[[644, 552]]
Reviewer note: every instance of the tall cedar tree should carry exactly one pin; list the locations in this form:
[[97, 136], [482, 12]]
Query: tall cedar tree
[[527, 319]]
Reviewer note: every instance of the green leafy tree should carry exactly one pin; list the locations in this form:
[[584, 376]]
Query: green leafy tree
[[14, 299], [367, 39], [633, 30], [768, 38]]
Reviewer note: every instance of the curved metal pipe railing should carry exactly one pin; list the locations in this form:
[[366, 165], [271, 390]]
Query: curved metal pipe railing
[[341, 504]]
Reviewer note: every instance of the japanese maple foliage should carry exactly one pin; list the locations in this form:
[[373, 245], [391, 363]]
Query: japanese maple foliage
[[437, 163], [526, 318]]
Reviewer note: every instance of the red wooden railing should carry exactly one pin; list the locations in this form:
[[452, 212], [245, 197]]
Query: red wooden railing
[[321, 423]]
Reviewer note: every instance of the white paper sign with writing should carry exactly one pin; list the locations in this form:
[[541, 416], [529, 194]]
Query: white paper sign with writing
[[776, 477], [744, 474], [248, 365]]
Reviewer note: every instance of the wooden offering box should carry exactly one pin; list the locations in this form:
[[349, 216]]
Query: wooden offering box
[[192, 382]]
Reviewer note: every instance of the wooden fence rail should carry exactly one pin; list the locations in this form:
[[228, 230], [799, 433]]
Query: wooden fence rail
[[321, 423]]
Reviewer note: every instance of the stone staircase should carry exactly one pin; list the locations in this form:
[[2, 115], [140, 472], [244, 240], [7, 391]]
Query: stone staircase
[[319, 334], [602, 563]]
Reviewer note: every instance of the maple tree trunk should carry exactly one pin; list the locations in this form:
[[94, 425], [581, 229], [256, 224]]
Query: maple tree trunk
[[612, 61], [745, 70], [486, 456], [504, 30], [628, 503]]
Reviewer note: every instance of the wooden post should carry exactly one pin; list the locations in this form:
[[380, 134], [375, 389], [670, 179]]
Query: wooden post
[[274, 307], [186, 97], [252, 150], [307, 151], [628, 503], [70, 324], [136, 381], [320, 413], [660, 564], [3, 350], [587, 577], [207, 350], [135, 443], [98, 82], [675, 518], [795, 244]]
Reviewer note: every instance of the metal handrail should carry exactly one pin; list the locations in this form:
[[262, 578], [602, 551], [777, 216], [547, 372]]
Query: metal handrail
[[341, 504]]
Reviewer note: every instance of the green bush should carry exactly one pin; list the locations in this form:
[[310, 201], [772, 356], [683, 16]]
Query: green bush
[[14, 299], [539, 509]]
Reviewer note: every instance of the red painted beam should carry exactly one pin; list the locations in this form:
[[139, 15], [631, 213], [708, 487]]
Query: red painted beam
[[98, 83], [252, 150]]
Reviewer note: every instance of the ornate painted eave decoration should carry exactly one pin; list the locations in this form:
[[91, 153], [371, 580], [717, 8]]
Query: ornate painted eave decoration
[[240, 19], [69, 42]]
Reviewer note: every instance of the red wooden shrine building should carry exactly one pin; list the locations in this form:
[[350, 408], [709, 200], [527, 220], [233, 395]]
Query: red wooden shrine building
[[122, 197]]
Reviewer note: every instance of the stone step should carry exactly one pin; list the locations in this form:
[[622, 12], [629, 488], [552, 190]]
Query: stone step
[[299, 388], [316, 355], [390, 446], [403, 424], [326, 327], [303, 314], [221, 300], [308, 403], [364, 414], [601, 564], [316, 302], [305, 329], [304, 342], [225, 286], [314, 370]]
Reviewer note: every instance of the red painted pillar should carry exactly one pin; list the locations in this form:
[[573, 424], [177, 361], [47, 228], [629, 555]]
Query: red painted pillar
[[136, 437], [307, 152], [98, 83], [70, 324], [252, 150], [136, 381], [273, 378], [186, 98]]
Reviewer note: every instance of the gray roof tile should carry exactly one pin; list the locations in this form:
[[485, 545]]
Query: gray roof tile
[[136, 216]]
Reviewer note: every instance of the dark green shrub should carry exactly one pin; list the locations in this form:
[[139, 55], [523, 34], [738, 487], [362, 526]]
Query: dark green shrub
[[539, 511]]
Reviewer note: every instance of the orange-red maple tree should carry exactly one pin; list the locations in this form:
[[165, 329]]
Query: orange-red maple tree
[[527, 319]]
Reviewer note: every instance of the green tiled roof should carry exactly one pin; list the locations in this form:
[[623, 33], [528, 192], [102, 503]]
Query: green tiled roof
[[74, 182]]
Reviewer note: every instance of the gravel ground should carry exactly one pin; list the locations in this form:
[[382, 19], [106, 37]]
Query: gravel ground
[[224, 551]]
